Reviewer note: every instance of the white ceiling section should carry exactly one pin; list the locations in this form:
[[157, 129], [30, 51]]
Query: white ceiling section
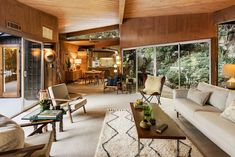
[[77, 15]]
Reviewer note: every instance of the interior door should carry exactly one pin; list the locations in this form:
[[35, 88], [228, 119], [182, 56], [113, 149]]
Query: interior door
[[33, 71], [10, 70]]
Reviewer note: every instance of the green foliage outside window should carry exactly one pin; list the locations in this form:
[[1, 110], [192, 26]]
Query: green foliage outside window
[[226, 53]]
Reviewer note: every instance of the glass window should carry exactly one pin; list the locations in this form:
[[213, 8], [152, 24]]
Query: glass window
[[183, 64], [145, 64], [32, 73], [129, 64], [167, 64], [194, 64], [226, 52]]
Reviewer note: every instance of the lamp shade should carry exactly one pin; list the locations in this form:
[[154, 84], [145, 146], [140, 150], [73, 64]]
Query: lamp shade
[[229, 70], [78, 61]]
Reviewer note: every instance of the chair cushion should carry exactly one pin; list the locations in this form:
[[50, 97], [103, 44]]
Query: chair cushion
[[153, 84], [218, 95], [200, 97], [229, 112], [45, 138], [76, 104], [11, 134]]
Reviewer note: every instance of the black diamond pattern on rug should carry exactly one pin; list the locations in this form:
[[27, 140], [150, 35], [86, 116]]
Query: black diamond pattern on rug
[[119, 139]]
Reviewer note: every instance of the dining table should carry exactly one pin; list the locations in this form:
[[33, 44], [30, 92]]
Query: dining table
[[92, 75]]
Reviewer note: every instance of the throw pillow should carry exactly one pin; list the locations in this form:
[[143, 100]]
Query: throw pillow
[[218, 95], [152, 84], [109, 81], [229, 112], [231, 97], [197, 96]]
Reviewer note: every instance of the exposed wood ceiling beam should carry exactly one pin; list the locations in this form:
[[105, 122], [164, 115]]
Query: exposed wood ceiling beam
[[225, 15], [121, 10], [97, 43], [95, 30]]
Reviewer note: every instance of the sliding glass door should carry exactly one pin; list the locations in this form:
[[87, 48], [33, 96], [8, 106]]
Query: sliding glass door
[[194, 64], [145, 57], [184, 64], [129, 65], [167, 64], [33, 71]]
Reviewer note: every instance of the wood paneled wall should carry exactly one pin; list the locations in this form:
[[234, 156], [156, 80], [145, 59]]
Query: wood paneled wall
[[30, 20], [169, 29], [166, 29], [69, 51], [83, 56]]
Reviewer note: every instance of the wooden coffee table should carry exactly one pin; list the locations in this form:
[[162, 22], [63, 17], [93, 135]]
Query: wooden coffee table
[[172, 132]]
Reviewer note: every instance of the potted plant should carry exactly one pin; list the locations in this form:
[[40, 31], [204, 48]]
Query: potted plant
[[44, 104]]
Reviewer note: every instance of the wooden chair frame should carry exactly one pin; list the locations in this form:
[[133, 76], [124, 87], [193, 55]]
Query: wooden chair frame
[[28, 151]]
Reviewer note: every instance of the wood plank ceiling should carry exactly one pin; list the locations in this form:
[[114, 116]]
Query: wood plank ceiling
[[77, 15]]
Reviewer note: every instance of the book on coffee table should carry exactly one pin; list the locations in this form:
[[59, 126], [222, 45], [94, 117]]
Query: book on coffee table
[[49, 114], [161, 128]]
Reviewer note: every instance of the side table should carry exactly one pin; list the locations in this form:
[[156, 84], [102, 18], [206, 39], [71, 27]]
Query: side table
[[53, 115]]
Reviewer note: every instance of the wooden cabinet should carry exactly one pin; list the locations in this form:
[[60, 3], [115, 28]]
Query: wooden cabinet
[[72, 76]]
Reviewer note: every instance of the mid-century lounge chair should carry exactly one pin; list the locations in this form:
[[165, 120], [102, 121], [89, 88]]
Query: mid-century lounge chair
[[13, 142], [153, 87], [114, 83], [61, 99]]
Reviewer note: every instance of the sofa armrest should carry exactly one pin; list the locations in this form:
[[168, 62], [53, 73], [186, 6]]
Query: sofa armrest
[[180, 93]]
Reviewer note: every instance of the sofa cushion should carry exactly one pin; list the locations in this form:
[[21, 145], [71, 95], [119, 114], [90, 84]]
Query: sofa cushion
[[199, 97], [230, 98], [11, 134], [188, 107], [218, 95], [219, 130], [229, 112]]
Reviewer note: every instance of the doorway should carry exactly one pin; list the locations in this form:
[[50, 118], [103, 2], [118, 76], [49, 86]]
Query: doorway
[[9, 71], [33, 69]]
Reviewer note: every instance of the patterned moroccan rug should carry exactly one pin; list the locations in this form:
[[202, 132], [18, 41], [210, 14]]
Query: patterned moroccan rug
[[119, 139]]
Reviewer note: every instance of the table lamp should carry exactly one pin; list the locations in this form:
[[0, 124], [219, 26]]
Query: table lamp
[[229, 72]]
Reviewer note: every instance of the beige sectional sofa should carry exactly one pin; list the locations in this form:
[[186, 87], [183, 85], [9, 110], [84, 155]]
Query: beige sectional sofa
[[207, 118]]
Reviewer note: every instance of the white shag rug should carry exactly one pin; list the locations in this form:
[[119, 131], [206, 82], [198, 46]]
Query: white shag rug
[[118, 138]]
